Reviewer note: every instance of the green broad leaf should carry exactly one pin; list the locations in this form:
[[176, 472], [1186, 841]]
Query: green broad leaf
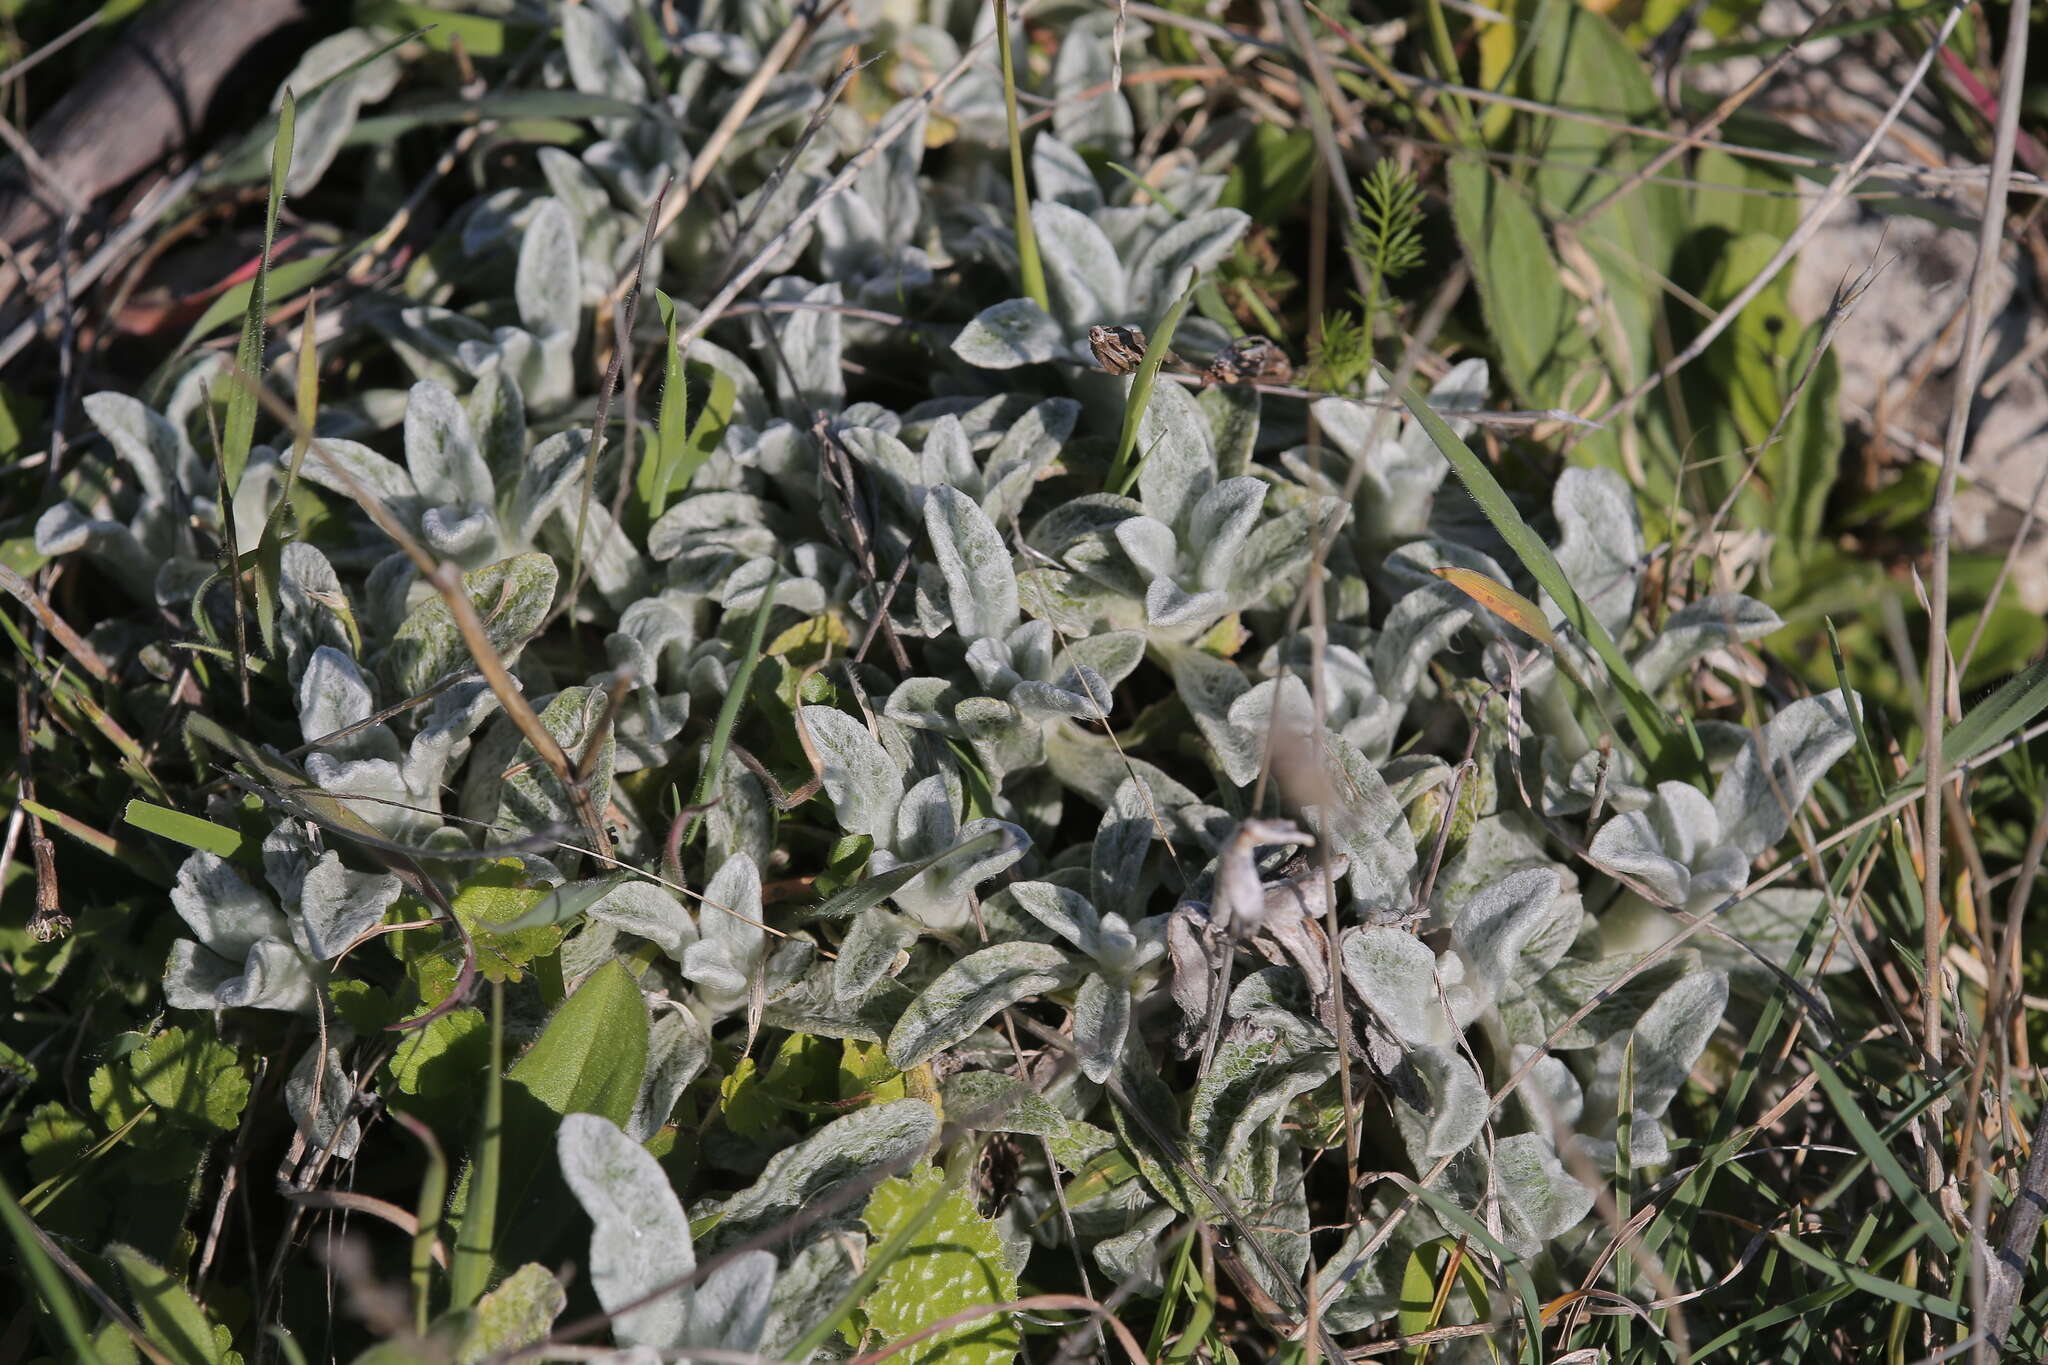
[[1578, 61], [2011, 637], [238, 433], [811, 639], [490, 904], [954, 1263], [1528, 313], [21, 417], [189, 830], [850, 853], [517, 1313], [192, 1081], [362, 1006], [592, 1054], [1745, 361], [744, 1102], [1736, 195], [449, 1054], [172, 1318], [865, 1073]]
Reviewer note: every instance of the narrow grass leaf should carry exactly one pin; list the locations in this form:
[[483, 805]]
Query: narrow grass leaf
[[1509, 605], [278, 283], [2000, 715], [657, 475], [729, 710], [189, 830], [1653, 729], [240, 429], [1850, 1106], [432, 1203], [1915, 1299], [47, 1279], [1525, 1288], [1124, 470], [268, 560], [1030, 266], [170, 1315]]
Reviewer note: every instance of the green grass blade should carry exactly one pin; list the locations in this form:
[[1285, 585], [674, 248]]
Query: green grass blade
[[1901, 1120], [1029, 264], [1856, 1277], [1123, 471], [1999, 716], [1747, 1331], [440, 29], [735, 700], [268, 560], [47, 1280], [433, 1200], [180, 828], [469, 1270], [681, 446], [1849, 1106], [1654, 730], [657, 475], [240, 430], [1525, 1288], [280, 283], [41, 1196]]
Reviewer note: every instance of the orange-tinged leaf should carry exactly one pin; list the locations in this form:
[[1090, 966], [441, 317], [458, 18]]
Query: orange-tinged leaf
[[1509, 605]]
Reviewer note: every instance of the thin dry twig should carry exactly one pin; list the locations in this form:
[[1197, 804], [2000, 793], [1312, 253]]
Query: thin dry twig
[[447, 580], [706, 158], [1941, 522], [884, 138], [1696, 924], [1025, 1305], [600, 420]]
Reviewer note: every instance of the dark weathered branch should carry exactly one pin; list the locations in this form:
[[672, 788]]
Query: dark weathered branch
[[144, 100]]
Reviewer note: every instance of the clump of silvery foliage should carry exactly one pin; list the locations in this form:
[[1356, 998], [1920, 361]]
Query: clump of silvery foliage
[[1072, 754]]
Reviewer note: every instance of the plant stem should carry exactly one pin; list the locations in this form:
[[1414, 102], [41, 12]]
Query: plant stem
[[1027, 238], [469, 1275]]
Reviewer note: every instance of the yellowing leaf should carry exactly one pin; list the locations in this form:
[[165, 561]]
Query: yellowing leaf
[[1509, 605], [813, 633], [865, 1073]]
